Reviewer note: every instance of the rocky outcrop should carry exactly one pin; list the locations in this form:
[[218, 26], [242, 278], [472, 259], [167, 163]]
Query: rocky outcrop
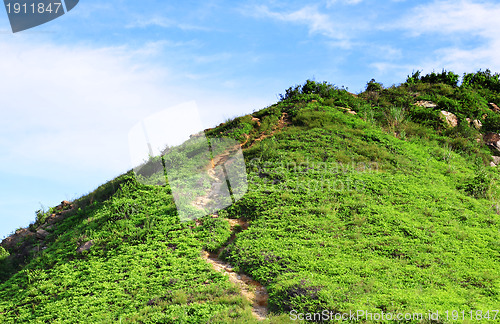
[[348, 110], [495, 162], [494, 107], [256, 120], [41, 234], [476, 123], [425, 104], [85, 247], [448, 117], [15, 240], [492, 140], [26, 241]]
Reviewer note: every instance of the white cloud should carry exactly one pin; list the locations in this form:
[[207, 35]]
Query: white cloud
[[454, 23], [163, 22], [348, 2], [316, 22], [466, 60], [67, 110], [449, 17], [62, 104]]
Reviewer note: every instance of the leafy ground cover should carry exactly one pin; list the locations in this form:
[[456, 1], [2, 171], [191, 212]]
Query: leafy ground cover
[[385, 210]]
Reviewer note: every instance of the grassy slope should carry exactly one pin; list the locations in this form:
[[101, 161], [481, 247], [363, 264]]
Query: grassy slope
[[405, 240], [414, 231]]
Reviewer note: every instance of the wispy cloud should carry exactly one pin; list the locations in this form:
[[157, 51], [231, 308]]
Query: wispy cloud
[[310, 16], [81, 101], [465, 35], [449, 17], [347, 2], [144, 22]]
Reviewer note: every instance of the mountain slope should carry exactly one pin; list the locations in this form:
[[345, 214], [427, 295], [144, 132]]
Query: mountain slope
[[370, 202]]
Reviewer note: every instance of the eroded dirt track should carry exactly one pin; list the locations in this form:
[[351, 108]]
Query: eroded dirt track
[[251, 289]]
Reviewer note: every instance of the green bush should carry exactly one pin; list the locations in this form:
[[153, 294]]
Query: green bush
[[472, 104], [444, 77], [449, 105], [6, 266], [373, 85], [322, 89], [425, 116], [492, 123], [478, 186], [482, 80]]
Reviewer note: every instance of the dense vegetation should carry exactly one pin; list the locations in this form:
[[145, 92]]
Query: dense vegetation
[[355, 202]]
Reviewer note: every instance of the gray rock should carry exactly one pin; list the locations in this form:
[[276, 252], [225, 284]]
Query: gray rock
[[494, 107], [85, 247], [449, 118], [492, 140], [426, 104], [41, 234]]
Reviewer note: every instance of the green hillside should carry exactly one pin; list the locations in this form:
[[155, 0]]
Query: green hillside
[[385, 201]]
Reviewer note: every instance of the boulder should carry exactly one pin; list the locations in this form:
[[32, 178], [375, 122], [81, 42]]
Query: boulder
[[492, 140], [426, 104], [41, 234], [494, 107], [47, 226], [449, 118], [64, 205], [14, 240], [496, 160], [85, 247], [477, 124], [257, 120], [348, 110], [54, 218]]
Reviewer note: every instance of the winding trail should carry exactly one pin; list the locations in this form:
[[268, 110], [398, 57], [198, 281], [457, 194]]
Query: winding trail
[[251, 289]]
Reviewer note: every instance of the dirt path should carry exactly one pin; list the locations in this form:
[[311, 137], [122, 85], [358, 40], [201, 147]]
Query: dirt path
[[251, 289], [282, 122]]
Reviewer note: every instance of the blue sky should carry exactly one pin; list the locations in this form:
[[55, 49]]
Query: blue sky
[[72, 89]]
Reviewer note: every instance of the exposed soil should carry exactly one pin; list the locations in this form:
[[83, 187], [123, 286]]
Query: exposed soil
[[251, 289], [284, 120]]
